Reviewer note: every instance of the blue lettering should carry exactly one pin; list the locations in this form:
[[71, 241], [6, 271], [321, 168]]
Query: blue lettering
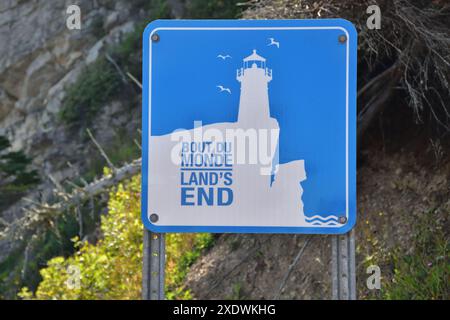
[[220, 196], [185, 196], [228, 178], [209, 198]]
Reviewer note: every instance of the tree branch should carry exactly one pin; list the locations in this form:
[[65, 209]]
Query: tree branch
[[102, 152], [136, 81], [40, 215], [114, 63]]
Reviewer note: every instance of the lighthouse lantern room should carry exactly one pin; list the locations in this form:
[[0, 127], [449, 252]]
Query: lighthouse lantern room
[[254, 61], [254, 100]]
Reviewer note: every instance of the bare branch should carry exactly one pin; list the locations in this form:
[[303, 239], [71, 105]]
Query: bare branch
[[102, 152], [43, 214], [114, 63], [56, 183], [136, 81], [137, 144]]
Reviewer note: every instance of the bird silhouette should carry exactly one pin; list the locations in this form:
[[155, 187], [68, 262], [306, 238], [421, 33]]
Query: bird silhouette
[[223, 57], [222, 88], [273, 43]]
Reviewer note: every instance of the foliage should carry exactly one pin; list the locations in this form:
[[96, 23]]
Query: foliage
[[423, 274], [121, 149], [128, 53], [15, 176], [55, 241], [413, 38], [111, 269], [419, 274], [10, 273], [100, 82], [214, 9], [17, 271], [237, 292], [159, 9], [96, 85], [185, 250]]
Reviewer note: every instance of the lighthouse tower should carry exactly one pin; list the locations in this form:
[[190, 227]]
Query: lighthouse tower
[[254, 113], [254, 77]]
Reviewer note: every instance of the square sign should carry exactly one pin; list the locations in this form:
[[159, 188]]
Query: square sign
[[249, 126]]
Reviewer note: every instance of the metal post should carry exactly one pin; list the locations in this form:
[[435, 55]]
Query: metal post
[[154, 266], [343, 266]]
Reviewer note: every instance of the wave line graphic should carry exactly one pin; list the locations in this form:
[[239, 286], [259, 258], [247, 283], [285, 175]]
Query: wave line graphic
[[321, 220], [317, 220]]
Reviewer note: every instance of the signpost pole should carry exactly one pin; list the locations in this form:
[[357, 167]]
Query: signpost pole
[[154, 266], [343, 266]]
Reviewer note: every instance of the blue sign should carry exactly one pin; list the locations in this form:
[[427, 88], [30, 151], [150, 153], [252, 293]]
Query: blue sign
[[249, 126]]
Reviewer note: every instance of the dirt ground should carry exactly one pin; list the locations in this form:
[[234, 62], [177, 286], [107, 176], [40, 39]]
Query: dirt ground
[[397, 184]]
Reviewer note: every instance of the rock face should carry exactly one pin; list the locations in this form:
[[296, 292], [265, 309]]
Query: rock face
[[39, 58]]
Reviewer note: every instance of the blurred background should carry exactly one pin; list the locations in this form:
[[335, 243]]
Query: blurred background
[[70, 117]]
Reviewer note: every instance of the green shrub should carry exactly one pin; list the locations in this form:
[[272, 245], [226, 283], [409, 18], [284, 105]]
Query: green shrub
[[112, 268], [159, 9], [425, 273], [16, 178], [53, 242], [98, 83], [214, 9], [185, 250]]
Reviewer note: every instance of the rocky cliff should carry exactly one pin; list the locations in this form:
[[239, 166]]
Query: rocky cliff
[[39, 59]]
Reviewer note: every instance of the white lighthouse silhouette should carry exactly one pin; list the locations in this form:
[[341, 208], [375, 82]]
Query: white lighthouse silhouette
[[254, 77]]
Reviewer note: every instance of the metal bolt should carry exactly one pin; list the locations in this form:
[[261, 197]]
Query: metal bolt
[[342, 220], [342, 38], [155, 37], [154, 217]]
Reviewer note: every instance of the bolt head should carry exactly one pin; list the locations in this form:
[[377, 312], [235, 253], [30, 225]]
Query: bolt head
[[342, 220], [155, 37], [342, 38], [154, 217]]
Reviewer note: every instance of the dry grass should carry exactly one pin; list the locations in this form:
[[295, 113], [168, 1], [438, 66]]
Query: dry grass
[[415, 36]]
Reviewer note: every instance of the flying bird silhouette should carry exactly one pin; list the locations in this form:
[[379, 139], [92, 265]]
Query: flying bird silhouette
[[274, 43], [221, 56], [222, 88]]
